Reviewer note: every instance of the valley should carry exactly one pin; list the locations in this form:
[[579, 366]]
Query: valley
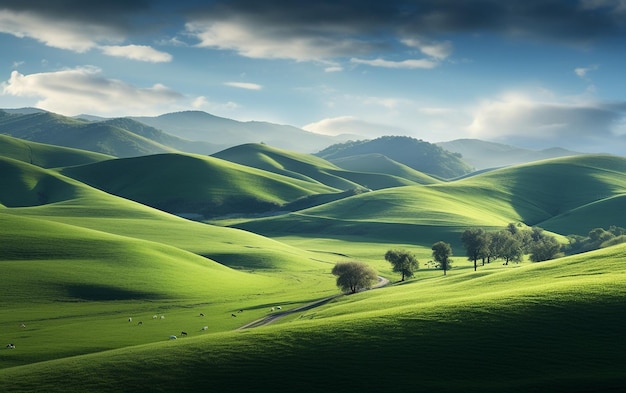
[[92, 244]]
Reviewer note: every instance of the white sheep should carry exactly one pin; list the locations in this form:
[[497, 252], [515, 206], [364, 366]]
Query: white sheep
[[172, 337], [130, 319], [205, 327], [162, 316], [154, 317]]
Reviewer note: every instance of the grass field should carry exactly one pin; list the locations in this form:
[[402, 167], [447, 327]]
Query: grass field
[[76, 263]]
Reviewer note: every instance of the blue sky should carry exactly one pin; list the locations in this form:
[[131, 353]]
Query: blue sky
[[537, 73]]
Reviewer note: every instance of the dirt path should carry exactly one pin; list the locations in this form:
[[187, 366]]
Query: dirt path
[[266, 320]]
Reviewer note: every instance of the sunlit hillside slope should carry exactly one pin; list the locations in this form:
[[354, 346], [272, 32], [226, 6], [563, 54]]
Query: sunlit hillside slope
[[552, 326], [183, 183], [550, 194], [46, 156]]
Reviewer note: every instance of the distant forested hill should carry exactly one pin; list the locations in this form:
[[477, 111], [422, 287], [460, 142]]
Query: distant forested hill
[[414, 153]]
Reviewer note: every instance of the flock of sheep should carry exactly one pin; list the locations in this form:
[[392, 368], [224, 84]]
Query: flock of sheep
[[172, 337]]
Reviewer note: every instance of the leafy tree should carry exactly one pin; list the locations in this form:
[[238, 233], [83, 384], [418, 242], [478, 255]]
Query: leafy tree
[[544, 249], [507, 246], [403, 262], [353, 276], [476, 243], [442, 253]]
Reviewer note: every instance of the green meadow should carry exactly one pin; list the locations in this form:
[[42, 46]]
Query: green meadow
[[85, 256]]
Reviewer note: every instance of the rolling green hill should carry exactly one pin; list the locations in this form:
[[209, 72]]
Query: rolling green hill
[[535, 194], [184, 184], [378, 163], [309, 167], [553, 326], [417, 154], [77, 262], [44, 155]]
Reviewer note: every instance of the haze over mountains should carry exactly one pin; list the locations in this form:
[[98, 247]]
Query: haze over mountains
[[202, 133]]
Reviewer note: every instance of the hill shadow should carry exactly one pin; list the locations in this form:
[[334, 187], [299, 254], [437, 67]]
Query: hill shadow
[[106, 293]]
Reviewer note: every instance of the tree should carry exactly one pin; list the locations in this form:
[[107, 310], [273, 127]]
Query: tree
[[442, 253], [544, 249], [476, 243], [403, 262], [507, 246], [353, 276]]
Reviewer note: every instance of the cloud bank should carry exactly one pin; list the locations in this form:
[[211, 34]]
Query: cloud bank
[[85, 90]]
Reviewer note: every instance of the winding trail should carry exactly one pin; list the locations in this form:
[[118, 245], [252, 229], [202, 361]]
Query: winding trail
[[266, 320]]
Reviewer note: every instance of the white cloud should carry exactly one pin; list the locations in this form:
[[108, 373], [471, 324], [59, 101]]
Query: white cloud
[[334, 68], [522, 116], [582, 71], [407, 64], [68, 35], [270, 42], [75, 36], [202, 103], [84, 90], [137, 52], [437, 50], [349, 125], [244, 85]]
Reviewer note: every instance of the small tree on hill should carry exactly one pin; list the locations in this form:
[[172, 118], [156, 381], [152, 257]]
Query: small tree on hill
[[403, 262], [353, 276], [441, 254], [476, 244]]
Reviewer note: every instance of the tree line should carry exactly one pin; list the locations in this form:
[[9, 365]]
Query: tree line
[[509, 244]]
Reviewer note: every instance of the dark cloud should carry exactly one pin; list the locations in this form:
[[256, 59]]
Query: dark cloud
[[115, 13], [562, 20]]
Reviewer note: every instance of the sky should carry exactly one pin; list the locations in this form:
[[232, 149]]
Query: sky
[[535, 73]]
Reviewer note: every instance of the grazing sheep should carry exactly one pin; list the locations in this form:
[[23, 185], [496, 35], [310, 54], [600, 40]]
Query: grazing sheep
[[279, 308], [130, 319], [205, 328], [172, 337], [22, 326], [272, 309], [183, 333], [139, 323], [154, 317], [233, 315], [11, 346], [201, 314], [162, 316]]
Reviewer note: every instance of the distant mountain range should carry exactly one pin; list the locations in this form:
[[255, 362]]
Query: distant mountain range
[[484, 155], [202, 133]]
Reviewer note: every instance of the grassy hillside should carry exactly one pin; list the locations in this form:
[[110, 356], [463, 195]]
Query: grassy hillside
[[308, 167], [378, 163], [71, 202], [77, 262], [46, 156], [207, 186], [553, 326], [535, 194]]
